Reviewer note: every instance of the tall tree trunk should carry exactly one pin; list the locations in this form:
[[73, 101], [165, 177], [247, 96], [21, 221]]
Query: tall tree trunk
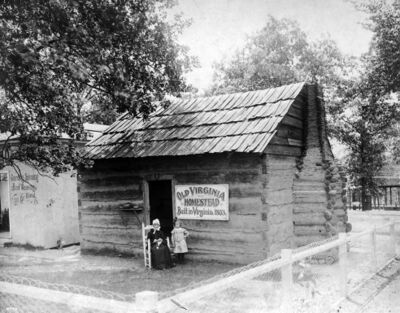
[[365, 197]]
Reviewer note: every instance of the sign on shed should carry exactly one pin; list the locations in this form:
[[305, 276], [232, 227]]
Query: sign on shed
[[202, 202]]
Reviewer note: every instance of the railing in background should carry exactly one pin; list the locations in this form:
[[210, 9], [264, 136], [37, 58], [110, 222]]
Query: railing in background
[[285, 264]]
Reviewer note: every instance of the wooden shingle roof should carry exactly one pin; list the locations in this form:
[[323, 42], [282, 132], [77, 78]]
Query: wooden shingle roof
[[240, 122]]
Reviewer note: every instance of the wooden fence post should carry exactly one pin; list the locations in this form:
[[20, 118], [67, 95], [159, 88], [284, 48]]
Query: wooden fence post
[[393, 238], [287, 280], [146, 301], [374, 261], [343, 263]]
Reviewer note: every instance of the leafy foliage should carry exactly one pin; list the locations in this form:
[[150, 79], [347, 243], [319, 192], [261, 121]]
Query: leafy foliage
[[384, 65], [280, 53], [368, 120], [384, 59], [365, 127], [64, 61]]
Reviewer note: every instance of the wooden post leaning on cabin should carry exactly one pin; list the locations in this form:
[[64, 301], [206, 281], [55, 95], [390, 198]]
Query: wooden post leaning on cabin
[[146, 302], [149, 252], [343, 263], [374, 261], [146, 248], [144, 245], [287, 280]]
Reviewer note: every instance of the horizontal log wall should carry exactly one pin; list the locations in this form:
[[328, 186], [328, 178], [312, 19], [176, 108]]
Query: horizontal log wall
[[282, 156], [108, 189], [309, 189], [278, 195]]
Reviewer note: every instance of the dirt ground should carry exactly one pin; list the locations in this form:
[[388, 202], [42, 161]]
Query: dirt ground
[[116, 274], [363, 220], [128, 275]]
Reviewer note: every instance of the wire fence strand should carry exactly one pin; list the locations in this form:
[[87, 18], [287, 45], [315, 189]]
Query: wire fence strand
[[314, 274], [15, 279]]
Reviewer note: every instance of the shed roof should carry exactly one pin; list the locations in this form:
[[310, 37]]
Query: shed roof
[[239, 122], [389, 175], [6, 136]]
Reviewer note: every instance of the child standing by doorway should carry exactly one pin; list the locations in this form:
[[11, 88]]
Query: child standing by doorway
[[179, 235]]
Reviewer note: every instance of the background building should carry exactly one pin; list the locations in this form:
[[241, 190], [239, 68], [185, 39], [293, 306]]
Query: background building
[[38, 210], [388, 182]]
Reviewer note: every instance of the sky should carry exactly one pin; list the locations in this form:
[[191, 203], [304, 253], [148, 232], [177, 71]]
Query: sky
[[219, 27]]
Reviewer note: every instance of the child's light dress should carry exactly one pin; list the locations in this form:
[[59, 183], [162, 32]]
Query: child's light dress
[[179, 240]]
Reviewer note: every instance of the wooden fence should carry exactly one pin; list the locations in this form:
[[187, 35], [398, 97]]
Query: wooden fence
[[147, 301]]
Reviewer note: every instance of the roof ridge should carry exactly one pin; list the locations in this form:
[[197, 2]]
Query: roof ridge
[[245, 91], [193, 100]]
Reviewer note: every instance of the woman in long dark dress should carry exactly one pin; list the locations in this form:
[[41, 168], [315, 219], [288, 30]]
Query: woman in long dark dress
[[160, 254]]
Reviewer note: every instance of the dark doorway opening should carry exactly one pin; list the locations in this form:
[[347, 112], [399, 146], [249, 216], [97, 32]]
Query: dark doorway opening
[[160, 198], [4, 206]]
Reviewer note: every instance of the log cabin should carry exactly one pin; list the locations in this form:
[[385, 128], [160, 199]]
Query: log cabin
[[248, 174]]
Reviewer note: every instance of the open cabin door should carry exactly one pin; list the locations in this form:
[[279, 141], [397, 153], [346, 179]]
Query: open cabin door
[[160, 203], [4, 205]]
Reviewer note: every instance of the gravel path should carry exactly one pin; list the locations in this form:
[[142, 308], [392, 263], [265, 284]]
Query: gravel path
[[387, 301]]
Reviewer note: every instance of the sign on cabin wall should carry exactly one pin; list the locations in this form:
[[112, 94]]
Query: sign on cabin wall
[[202, 202]]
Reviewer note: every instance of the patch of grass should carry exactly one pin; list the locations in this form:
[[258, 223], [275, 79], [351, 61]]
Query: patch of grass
[[133, 278], [26, 246], [106, 252]]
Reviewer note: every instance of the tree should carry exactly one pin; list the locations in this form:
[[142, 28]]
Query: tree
[[62, 61], [384, 58], [280, 53], [368, 121], [384, 63], [364, 125]]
